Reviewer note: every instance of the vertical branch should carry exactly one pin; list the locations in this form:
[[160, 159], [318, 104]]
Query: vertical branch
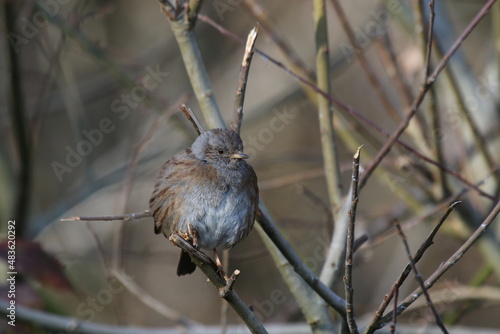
[[420, 280], [329, 149], [427, 45], [182, 27], [332, 169], [351, 322], [242, 80], [395, 317], [430, 38], [23, 196]]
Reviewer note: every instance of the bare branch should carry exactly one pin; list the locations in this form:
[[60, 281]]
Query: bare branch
[[444, 267], [430, 38], [420, 280], [191, 116], [406, 271], [127, 217], [242, 80], [224, 287], [349, 291], [287, 250]]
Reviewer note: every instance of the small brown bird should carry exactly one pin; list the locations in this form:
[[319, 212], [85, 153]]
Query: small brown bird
[[207, 192]]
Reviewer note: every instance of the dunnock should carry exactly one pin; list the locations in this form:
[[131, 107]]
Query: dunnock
[[206, 193]]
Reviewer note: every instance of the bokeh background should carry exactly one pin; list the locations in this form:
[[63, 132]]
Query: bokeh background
[[112, 71]]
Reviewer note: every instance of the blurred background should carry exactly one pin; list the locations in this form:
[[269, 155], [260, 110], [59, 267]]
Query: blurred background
[[95, 114]]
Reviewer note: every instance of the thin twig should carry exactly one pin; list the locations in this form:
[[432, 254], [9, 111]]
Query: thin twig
[[436, 133], [406, 271], [242, 80], [420, 280], [350, 109], [429, 81], [126, 217], [191, 116], [430, 39], [224, 287], [444, 267], [395, 317], [349, 291]]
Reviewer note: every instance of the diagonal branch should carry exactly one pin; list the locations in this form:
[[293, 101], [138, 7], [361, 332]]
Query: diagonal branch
[[210, 269], [444, 267], [406, 271], [420, 280], [287, 250]]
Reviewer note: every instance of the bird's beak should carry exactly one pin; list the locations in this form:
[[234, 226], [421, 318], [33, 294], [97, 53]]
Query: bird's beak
[[239, 156]]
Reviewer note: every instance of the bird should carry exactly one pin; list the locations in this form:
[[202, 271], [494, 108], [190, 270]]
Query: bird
[[206, 193]]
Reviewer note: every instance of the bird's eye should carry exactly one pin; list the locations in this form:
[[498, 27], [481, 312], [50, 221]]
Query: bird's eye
[[220, 150]]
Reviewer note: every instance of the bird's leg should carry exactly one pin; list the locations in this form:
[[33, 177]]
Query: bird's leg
[[219, 266], [194, 235]]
